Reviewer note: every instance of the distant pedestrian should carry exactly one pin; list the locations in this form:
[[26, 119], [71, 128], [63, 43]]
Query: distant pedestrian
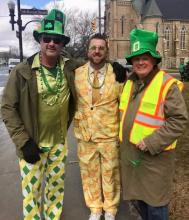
[[186, 71], [182, 71], [153, 117], [37, 108]]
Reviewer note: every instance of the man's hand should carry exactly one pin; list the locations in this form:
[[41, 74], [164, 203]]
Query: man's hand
[[31, 152], [141, 146], [120, 72]]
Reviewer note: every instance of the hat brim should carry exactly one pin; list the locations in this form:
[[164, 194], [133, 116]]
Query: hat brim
[[37, 35], [143, 51]]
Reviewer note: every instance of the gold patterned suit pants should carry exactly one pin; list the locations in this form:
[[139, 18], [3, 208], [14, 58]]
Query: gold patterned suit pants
[[99, 166]]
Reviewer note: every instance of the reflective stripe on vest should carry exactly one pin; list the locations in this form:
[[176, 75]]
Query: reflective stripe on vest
[[150, 115], [124, 100]]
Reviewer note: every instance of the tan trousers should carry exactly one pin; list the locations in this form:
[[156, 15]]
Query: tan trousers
[[99, 166]]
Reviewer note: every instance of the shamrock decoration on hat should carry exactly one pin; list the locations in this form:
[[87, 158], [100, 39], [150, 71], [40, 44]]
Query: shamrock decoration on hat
[[143, 41], [53, 24]]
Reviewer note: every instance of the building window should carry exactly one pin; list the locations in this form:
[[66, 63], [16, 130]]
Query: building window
[[183, 38], [181, 60], [108, 16], [167, 38], [122, 20]]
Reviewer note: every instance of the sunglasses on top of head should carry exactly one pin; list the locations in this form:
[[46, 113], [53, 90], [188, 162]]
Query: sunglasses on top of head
[[48, 39]]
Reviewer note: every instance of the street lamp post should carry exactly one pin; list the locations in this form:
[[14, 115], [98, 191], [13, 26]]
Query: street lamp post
[[33, 11], [11, 6], [19, 22]]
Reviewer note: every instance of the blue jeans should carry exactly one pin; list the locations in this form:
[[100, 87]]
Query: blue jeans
[[149, 212]]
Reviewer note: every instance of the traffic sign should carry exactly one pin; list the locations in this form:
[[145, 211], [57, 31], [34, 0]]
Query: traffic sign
[[33, 11]]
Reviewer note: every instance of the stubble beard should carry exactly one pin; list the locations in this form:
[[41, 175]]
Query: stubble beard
[[99, 62]]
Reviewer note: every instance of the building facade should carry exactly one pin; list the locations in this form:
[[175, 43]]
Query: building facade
[[169, 18]]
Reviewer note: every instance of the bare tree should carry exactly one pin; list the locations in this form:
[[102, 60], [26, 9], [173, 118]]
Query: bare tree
[[77, 27], [32, 45], [14, 52]]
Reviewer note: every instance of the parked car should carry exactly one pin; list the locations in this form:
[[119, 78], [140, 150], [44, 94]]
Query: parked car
[[12, 63]]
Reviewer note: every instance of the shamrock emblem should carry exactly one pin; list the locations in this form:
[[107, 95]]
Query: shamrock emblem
[[48, 25]]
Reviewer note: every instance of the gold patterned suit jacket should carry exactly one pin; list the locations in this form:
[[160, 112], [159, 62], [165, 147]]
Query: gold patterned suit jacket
[[98, 122]]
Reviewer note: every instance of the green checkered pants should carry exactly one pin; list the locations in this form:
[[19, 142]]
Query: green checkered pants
[[51, 167]]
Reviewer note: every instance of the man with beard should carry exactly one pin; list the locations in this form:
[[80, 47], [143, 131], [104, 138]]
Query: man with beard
[[96, 128]]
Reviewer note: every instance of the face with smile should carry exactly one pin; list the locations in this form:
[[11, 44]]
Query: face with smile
[[143, 65], [97, 52], [51, 46]]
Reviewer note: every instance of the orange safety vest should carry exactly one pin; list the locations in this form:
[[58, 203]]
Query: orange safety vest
[[150, 114]]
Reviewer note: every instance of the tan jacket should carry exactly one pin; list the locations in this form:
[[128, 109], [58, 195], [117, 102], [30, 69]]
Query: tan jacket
[[98, 122], [151, 180]]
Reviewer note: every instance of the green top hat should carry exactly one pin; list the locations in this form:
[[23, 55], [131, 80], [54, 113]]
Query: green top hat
[[53, 24], [143, 41]]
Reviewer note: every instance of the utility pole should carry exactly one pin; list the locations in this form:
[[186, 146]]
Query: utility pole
[[19, 22], [99, 17]]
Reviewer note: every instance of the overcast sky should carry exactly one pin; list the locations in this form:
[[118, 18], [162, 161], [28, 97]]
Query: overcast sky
[[8, 37]]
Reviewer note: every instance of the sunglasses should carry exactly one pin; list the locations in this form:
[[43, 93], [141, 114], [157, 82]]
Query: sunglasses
[[48, 39]]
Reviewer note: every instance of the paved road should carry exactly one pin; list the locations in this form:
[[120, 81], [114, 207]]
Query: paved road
[[3, 76], [74, 205], [3, 79]]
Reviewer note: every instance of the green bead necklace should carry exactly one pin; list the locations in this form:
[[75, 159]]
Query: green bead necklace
[[56, 90]]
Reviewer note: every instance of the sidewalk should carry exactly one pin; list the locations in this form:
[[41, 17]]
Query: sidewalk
[[74, 206]]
